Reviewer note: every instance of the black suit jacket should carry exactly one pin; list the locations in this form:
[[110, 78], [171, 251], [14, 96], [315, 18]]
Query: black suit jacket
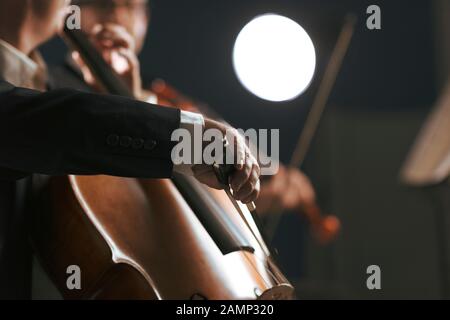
[[69, 132]]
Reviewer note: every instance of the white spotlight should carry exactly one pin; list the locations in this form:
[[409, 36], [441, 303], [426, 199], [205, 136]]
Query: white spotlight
[[274, 58]]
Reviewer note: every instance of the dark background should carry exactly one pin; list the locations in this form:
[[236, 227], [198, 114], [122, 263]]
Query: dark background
[[389, 81]]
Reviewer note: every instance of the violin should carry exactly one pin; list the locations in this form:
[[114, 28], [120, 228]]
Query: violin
[[149, 238], [325, 228]]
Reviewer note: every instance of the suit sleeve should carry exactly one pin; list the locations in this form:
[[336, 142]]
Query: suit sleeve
[[71, 132]]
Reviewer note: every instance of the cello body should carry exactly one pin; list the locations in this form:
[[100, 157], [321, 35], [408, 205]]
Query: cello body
[[139, 239], [149, 238]]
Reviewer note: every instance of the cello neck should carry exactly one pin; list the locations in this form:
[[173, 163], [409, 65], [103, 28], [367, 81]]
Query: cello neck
[[105, 75]]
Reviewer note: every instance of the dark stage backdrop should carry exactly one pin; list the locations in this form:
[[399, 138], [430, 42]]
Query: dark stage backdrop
[[386, 86], [190, 44]]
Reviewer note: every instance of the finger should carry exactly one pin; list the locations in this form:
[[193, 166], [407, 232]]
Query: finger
[[120, 63], [130, 57], [123, 38], [253, 196], [121, 60], [241, 152], [108, 40], [99, 37], [256, 166], [115, 36], [78, 60], [87, 74], [239, 178], [249, 186]]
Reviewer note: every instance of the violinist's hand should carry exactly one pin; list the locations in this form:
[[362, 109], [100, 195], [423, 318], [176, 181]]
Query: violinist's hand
[[245, 180], [117, 47], [289, 189]]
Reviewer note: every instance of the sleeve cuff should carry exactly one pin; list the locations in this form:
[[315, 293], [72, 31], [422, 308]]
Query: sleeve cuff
[[188, 121]]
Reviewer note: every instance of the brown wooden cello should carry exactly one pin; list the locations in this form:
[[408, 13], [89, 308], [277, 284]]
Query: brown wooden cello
[[325, 228], [149, 239]]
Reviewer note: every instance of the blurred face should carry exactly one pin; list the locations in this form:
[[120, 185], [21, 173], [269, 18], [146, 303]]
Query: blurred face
[[49, 16], [133, 15]]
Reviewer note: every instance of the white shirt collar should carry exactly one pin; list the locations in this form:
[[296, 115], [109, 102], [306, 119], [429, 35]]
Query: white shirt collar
[[19, 69]]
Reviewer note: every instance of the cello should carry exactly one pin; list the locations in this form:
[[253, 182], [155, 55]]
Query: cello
[[149, 238], [325, 228]]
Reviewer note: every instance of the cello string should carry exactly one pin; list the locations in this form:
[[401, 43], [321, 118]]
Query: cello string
[[241, 213], [263, 245], [264, 249], [222, 174]]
